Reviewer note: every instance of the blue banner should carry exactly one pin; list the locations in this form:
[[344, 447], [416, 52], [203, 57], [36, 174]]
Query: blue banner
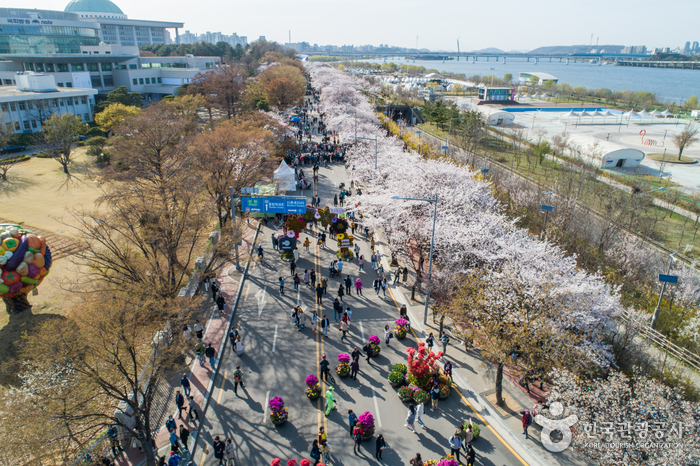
[[274, 205]]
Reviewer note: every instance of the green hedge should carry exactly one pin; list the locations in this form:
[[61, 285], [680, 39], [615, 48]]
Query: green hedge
[[21, 158]]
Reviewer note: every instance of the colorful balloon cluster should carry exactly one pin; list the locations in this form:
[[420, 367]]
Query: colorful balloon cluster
[[25, 260]]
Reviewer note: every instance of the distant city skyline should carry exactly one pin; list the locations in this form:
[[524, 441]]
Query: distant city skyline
[[539, 23]]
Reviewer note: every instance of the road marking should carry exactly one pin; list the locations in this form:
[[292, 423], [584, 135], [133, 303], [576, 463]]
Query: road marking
[[223, 381], [362, 332], [376, 409], [247, 289], [274, 340], [267, 399], [260, 297]]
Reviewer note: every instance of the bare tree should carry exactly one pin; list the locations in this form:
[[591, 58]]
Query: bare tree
[[685, 138], [61, 131]]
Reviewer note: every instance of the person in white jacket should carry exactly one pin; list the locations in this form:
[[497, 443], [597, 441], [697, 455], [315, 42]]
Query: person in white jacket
[[420, 409]]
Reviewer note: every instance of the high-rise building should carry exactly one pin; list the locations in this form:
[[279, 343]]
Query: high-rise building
[[686, 49], [696, 47]]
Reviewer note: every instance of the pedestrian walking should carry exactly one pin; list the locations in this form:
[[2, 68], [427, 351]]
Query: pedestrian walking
[[371, 242], [471, 455], [322, 435], [352, 420], [348, 313], [325, 323], [281, 285], [261, 253], [174, 440], [337, 310], [341, 292], [348, 285], [397, 274], [420, 410], [381, 446], [199, 350], [354, 368], [324, 284], [210, 353], [361, 263], [296, 281], [239, 346], [237, 379], [219, 449], [229, 452], [370, 352], [462, 434], [326, 451], [302, 320], [384, 286], [198, 330], [430, 341], [324, 365], [113, 436], [411, 418], [221, 303], [387, 335], [377, 285], [356, 353], [357, 247], [307, 243], [417, 460], [357, 436], [526, 421], [292, 267], [319, 295], [275, 242], [455, 446], [184, 436], [339, 266], [307, 277], [444, 339], [315, 452], [312, 276], [330, 400], [186, 386], [405, 274], [335, 200], [344, 327], [403, 312], [434, 397], [215, 287], [373, 260], [448, 370], [193, 409], [180, 402], [296, 255]]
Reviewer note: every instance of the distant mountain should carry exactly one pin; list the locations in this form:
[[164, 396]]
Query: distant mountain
[[488, 50], [562, 49]]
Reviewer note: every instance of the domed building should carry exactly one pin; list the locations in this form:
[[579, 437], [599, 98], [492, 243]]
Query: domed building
[[95, 9]]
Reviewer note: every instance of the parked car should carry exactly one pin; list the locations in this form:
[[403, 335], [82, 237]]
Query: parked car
[[12, 149]]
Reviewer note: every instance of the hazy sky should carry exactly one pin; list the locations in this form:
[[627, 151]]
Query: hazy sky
[[508, 25]]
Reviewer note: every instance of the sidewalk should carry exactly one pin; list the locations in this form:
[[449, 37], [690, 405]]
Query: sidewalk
[[201, 376], [474, 379]]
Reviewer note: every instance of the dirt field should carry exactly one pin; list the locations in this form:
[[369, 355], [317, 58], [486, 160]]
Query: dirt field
[[38, 194]]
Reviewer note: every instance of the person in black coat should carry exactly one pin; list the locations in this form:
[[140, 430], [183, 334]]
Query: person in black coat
[[219, 449], [381, 444]]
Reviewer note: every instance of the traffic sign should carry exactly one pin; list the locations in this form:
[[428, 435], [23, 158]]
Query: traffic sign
[[445, 147], [274, 204], [484, 170], [547, 208], [668, 278]]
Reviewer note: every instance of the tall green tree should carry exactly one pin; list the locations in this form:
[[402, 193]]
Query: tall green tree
[[120, 95]]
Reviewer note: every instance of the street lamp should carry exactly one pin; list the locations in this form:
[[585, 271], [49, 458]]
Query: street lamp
[[376, 148], [432, 244], [664, 279], [420, 140]]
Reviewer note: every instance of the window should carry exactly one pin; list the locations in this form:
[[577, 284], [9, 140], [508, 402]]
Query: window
[[12, 107], [82, 100], [133, 67], [8, 126], [69, 84], [135, 81], [61, 67], [148, 80], [3, 107], [17, 128], [21, 106], [106, 66], [76, 67], [59, 84], [34, 124], [96, 81], [87, 117], [159, 81], [30, 106], [109, 80], [26, 124], [40, 67], [29, 66], [209, 65], [92, 67], [61, 103], [140, 80], [49, 67], [145, 66], [7, 82]]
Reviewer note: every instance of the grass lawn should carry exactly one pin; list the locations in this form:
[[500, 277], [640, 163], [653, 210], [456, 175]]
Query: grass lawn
[[671, 158]]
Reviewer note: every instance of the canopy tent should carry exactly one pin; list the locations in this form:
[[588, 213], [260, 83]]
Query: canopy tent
[[667, 114], [569, 114], [631, 114], [644, 114], [285, 178], [655, 113]]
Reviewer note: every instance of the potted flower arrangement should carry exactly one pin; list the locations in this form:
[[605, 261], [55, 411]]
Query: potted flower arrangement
[[397, 376], [444, 391], [401, 328], [476, 430], [420, 396], [448, 460], [278, 413], [422, 366], [374, 344], [313, 389], [343, 367], [405, 394], [366, 423]]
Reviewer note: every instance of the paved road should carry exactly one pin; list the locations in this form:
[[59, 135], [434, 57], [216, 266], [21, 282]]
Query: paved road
[[278, 358]]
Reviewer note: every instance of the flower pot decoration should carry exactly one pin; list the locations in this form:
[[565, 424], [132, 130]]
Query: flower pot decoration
[[448, 460], [374, 343], [366, 424], [313, 389], [295, 223], [420, 396], [25, 260], [401, 328], [405, 394], [278, 413], [339, 225], [343, 367], [423, 366], [397, 376], [310, 214]]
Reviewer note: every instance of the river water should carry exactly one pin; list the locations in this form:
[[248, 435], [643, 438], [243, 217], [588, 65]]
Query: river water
[[670, 85]]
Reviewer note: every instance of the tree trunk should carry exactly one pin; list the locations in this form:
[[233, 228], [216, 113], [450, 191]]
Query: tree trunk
[[499, 385]]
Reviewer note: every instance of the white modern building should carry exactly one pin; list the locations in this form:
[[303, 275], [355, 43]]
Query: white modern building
[[36, 97], [605, 154], [116, 28], [526, 76]]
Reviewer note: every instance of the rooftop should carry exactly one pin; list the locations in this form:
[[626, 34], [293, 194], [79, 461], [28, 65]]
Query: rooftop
[[545, 76], [93, 6], [12, 94]]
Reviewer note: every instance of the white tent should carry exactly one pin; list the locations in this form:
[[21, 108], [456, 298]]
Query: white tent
[[644, 114], [655, 113], [667, 114], [568, 115], [285, 178]]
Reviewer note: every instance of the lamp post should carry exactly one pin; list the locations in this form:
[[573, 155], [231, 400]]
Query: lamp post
[[432, 244], [376, 148], [233, 224], [667, 279], [420, 140]]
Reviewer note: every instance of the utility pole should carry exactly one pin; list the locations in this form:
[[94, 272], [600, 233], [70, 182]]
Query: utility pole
[[233, 224], [655, 317]]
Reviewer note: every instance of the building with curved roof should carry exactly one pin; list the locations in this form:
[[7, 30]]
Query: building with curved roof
[[526, 76], [95, 8]]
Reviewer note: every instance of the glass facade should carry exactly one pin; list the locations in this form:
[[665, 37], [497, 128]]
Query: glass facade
[[45, 39]]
